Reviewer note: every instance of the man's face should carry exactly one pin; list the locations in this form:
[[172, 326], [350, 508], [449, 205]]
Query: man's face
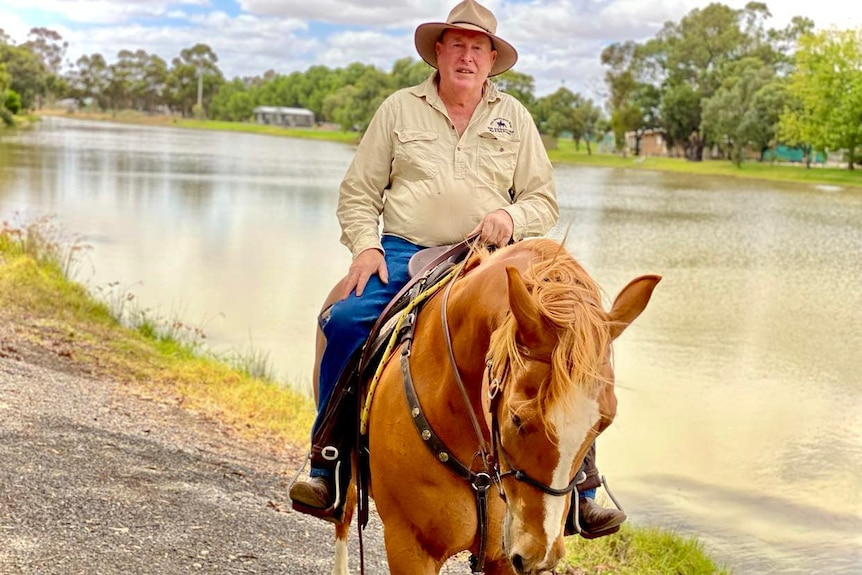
[[464, 58]]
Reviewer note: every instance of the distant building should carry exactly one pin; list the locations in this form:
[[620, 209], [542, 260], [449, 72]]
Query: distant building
[[289, 117]]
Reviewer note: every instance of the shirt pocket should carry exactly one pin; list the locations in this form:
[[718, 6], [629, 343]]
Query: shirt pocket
[[497, 161], [416, 157]]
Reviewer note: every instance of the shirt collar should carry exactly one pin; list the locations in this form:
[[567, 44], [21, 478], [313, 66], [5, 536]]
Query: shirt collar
[[428, 90]]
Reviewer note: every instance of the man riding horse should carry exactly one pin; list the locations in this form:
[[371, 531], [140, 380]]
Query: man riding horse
[[446, 159]]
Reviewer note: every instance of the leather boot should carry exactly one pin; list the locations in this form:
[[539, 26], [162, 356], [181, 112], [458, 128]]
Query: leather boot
[[316, 492], [594, 520]]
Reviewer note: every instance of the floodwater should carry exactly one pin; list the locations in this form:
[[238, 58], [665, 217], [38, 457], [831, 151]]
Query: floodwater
[[740, 417]]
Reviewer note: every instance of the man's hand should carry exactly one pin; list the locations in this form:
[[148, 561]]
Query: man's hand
[[496, 228], [365, 265]]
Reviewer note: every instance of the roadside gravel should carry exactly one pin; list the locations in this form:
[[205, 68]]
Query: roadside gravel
[[96, 479]]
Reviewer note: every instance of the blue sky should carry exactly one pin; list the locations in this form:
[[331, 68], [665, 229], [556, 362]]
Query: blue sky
[[559, 41]]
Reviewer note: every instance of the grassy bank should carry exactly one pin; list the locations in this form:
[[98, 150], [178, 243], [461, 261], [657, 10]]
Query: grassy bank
[[55, 313], [132, 117], [70, 326], [565, 153]]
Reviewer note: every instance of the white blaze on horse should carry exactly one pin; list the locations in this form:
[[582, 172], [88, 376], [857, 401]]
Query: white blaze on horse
[[477, 434]]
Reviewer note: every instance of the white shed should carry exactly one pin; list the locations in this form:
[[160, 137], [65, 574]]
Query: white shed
[[279, 116]]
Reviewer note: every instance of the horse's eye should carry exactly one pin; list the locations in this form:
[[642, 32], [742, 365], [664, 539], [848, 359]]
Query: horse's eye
[[516, 421]]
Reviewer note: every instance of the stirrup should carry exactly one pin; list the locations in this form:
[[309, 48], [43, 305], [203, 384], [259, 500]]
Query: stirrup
[[574, 514], [335, 512], [293, 479]]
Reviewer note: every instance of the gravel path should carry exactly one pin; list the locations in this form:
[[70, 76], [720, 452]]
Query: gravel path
[[96, 480]]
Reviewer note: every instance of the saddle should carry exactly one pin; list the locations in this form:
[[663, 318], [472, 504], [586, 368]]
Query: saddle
[[337, 438]]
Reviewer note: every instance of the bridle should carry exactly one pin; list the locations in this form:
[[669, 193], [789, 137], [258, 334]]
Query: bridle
[[489, 455], [495, 387]]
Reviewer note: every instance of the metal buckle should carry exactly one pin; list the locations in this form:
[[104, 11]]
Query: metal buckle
[[329, 453], [481, 482]]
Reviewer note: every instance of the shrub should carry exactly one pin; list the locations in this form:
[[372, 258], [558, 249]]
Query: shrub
[[6, 116], [13, 101]]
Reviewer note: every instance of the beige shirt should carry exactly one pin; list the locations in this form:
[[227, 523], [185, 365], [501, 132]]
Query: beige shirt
[[432, 187]]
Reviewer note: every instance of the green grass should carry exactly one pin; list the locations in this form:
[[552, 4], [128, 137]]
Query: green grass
[[134, 117], [566, 154], [306, 133], [639, 551], [160, 358]]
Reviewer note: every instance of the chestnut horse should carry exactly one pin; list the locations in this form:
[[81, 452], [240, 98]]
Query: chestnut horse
[[513, 380]]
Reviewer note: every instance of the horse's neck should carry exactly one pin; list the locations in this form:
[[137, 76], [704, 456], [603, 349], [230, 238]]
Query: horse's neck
[[474, 309], [443, 381]]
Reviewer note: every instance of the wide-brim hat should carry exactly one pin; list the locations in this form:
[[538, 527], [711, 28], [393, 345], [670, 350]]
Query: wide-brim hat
[[467, 15]]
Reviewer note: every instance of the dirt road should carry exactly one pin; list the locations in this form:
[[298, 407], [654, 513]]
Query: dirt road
[[97, 480]]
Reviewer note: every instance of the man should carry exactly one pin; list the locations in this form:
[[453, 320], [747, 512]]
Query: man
[[440, 161]]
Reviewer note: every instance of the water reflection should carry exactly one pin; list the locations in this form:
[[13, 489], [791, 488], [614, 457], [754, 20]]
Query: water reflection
[[740, 403], [228, 231], [740, 417]]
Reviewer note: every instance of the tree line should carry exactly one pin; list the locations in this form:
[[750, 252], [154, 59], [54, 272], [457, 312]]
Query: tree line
[[718, 80]]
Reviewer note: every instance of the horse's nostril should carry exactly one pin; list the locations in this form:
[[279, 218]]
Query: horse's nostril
[[518, 563]]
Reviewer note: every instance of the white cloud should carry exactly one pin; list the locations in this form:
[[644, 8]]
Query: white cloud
[[378, 14], [246, 46], [559, 41], [104, 11], [13, 25]]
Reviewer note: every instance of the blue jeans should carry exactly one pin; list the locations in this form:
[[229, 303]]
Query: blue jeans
[[350, 321]]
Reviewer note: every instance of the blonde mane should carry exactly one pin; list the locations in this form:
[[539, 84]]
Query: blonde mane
[[569, 300]]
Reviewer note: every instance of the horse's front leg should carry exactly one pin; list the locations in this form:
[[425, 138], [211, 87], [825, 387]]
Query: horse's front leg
[[342, 530], [404, 553]]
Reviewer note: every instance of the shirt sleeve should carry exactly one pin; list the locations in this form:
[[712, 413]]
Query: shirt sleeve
[[534, 209], [360, 198]]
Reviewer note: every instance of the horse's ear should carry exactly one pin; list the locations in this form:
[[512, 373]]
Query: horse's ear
[[630, 302], [530, 325]]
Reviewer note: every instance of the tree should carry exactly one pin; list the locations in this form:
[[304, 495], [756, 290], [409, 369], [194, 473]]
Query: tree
[[26, 72], [195, 68], [5, 92], [5, 78], [408, 72], [353, 105], [151, 85], [693, 53], [826, 90], [121, 76], [519, 85], [318, 82], [12, 101], [50, 48], [233, 102], [624, 82], [90, 80], [555, 113], [744, 110], [691, 59], [585, 123]]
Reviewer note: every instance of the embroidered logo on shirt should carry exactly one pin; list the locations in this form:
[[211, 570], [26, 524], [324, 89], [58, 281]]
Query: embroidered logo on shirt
[[501, 126]]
